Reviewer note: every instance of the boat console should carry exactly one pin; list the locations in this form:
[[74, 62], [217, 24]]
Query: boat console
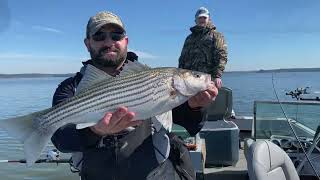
[[271, 123]]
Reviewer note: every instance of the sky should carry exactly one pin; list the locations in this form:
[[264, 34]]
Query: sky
[[47, 36]]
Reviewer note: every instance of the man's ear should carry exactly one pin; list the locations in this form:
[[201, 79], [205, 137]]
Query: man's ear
[[87, 43], [126, 39], [196, 21]]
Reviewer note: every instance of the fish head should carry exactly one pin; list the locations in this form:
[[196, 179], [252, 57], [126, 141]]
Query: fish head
[[189, 83]]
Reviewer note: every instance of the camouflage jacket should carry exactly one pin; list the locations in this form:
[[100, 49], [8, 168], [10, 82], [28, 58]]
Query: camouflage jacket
[[204, 50]]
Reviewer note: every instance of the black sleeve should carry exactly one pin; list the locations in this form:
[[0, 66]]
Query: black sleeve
[[68, 138], [64, 91], [191, 120]]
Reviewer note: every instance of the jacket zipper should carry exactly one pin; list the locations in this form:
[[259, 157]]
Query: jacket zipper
[[115, 139]]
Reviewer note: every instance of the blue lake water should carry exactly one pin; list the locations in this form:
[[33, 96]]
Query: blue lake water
[[248, 87], [19, 96]]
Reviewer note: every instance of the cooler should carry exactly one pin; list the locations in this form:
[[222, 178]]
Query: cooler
[[222, 142]]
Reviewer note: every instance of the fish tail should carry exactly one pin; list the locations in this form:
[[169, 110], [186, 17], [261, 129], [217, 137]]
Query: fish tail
[[22, 128]]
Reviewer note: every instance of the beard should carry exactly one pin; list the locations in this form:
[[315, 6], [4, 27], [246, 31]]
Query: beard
[[98, 57]]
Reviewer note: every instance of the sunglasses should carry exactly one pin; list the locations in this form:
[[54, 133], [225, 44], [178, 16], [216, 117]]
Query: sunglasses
[[115, 36]]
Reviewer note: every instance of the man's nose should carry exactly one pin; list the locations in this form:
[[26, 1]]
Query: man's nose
[[108, 41]]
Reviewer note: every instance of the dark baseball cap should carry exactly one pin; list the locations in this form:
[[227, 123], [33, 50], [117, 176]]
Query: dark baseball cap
[[103, 18]]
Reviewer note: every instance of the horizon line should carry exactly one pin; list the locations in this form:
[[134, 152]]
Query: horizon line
[[259, 70]]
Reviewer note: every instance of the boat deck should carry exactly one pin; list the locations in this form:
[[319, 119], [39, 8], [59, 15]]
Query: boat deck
[[238, 172], [230, 172]]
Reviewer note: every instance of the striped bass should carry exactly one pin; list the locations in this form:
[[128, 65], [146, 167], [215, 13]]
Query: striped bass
[[148, 93]]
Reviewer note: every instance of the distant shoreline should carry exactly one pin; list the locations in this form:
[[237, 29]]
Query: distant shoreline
[[39, 75], [279, 70]]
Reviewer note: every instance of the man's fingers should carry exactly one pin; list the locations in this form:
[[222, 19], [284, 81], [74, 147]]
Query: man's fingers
[[106, 119], [135, 123], [212, 90], [205, 98], [125, 124], [117, 116], [206, 95], [101, 127], [124, 121], [201, 97], [115, 122]]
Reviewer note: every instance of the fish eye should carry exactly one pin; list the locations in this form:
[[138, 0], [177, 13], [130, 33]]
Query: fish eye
[[197, 75]]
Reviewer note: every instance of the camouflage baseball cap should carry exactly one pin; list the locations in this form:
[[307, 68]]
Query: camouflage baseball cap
[[202, 12], [101, 19]]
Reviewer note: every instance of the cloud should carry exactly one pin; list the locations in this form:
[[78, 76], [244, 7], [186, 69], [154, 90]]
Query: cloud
[[144, 55], [47, 29]]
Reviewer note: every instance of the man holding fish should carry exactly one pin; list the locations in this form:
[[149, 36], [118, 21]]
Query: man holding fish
[[115, 114]]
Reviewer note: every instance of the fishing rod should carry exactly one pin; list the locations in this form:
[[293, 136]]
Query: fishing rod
[[53, 156], [291, 127], [38, 161]]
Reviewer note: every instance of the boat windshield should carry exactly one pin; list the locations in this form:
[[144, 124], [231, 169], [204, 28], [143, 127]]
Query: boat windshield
[[269, 120]]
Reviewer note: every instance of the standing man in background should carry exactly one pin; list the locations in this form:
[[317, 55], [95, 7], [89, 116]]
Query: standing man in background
[[204, 49]]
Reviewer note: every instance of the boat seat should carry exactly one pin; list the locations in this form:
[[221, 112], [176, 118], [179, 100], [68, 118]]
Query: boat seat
[[221, 108], [221, 136], [267, 161]]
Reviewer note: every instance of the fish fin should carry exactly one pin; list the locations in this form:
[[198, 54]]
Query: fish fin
[[84, 125], [92, 75], [19, 127], [33, 146], [165, 119], [133, 67], [22, 128]]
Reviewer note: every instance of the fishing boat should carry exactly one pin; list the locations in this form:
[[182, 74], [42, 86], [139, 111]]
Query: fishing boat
[[224, 147], [227, 146]]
